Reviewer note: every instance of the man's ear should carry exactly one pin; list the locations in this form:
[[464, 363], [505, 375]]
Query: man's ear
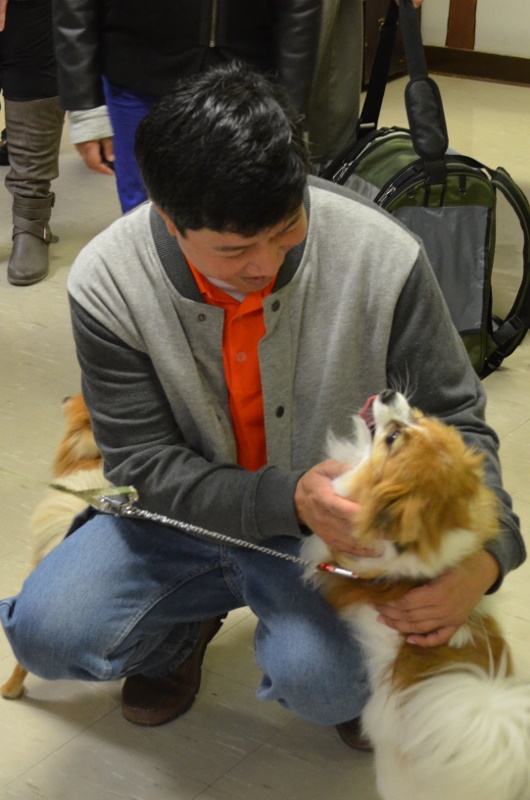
[[170, 225]]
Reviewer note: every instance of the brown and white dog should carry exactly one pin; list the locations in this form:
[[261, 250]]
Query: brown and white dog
[[77, 466], [448, 722]]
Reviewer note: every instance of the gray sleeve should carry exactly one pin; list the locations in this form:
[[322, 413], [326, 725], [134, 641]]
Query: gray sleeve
[[428, 362], [142, 445]]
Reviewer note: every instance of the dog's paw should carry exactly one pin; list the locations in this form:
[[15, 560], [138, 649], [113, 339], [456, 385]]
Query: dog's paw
[[12, 692], [13, 689]]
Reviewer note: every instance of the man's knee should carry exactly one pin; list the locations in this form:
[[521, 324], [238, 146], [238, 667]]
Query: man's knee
[[47, 644]]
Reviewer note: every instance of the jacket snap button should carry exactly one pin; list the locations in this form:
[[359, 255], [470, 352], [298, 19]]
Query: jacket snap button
[[280, 411], [276, 305]]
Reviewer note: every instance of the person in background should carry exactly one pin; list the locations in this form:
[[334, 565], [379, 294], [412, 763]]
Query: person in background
[[34, 123], [129, 54], [117, 58]]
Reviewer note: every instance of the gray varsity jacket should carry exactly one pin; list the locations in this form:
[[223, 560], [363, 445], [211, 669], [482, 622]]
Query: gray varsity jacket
[[355, 308]]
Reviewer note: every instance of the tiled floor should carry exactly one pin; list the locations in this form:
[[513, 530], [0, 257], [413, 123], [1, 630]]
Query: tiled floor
[[68, 741]]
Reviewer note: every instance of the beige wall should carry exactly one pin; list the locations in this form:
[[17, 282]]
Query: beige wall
[[503, 26]]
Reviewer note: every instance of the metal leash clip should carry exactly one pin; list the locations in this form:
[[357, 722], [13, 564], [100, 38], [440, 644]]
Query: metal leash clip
[[117, 501]]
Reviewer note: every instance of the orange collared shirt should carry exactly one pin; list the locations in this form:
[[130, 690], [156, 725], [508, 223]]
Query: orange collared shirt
[[244, 326]]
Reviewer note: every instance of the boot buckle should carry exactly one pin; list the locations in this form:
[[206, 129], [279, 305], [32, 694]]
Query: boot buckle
[[48, 236]]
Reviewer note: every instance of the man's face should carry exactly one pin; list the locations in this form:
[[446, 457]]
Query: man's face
[[247, 264]]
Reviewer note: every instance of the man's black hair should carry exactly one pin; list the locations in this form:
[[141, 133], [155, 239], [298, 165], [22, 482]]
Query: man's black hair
[[225, 151]]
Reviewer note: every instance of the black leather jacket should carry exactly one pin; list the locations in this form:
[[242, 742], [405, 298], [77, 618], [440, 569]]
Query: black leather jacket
[[146, 45]]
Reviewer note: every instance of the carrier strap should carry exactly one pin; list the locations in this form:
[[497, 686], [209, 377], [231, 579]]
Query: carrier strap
[[513, 328], [369, 116]]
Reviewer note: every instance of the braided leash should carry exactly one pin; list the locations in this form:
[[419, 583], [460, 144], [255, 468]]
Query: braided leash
[[128, 508], [121, 501]]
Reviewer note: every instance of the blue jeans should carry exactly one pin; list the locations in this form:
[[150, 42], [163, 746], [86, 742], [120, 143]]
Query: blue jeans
[[120, 596], [126, 110]]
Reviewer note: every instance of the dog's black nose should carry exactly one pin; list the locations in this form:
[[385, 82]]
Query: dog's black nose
[[387, 396]]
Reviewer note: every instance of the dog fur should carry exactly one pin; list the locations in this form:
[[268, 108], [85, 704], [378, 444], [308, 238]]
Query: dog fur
[[77, 466], [447, 722]]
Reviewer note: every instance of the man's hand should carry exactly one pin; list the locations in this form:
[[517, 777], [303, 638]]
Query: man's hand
[[429, 615], [330, 516], [95, 154], [3, 6]]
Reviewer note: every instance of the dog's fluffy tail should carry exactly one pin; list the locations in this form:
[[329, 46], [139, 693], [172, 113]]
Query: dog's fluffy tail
[[54, 513], [460, 735]]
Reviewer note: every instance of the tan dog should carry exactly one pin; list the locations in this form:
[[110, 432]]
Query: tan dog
[[448, 721], [77, 466]]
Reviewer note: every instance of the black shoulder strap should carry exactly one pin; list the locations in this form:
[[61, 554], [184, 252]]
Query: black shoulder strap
[[375, 92]]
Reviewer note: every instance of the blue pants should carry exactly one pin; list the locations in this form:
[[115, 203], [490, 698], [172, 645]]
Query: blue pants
[[126, 110], [120, 596]]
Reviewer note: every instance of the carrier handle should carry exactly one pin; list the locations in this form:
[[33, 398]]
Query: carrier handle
[[423, 101]]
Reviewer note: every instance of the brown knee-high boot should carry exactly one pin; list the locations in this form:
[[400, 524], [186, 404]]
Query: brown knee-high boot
[[34, 129]]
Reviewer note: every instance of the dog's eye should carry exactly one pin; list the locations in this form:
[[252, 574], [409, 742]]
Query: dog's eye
[[391, 438]]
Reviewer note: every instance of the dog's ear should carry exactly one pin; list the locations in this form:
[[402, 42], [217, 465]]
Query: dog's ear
[[382, 514], [400, 518], [421, 523], [406, 520]]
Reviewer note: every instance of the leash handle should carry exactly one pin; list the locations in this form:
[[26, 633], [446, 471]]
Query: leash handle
[[423, 101]]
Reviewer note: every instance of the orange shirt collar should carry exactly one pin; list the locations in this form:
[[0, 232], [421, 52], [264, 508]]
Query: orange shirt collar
[[216, 296]]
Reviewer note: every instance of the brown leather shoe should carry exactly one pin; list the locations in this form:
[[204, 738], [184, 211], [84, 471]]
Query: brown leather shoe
[[155, 701], [351, 734]]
